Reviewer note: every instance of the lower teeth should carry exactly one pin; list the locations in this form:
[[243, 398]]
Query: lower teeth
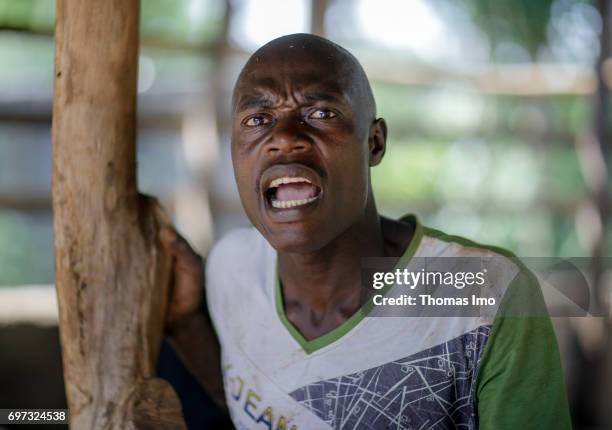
[[281, 204]]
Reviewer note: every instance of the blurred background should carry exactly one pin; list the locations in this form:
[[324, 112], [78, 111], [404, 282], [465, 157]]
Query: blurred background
[[498, 130]]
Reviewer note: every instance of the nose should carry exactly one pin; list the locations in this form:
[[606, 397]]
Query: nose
[[288, 136]]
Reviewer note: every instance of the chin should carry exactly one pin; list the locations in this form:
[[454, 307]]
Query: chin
[[294, 239]]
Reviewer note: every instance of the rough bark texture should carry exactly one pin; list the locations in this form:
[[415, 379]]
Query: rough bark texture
[[111, 273]]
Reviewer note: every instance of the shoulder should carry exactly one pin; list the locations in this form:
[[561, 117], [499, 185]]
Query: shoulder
[[241, 257], [235, 247], [503, 263], [236, 270], [238, 256], [464, 246], [514, 286]]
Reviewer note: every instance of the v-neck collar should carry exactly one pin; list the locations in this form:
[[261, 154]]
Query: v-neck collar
[[332, 336]]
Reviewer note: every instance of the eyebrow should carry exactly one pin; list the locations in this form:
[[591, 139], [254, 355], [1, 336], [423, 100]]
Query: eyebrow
[[263, 100], [251, 101], [323, 97]]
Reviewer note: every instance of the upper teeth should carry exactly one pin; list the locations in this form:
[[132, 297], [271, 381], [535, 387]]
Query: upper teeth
[[283, 204], [287, 180]]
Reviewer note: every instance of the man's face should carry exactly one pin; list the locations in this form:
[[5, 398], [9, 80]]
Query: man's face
[[300, 150]]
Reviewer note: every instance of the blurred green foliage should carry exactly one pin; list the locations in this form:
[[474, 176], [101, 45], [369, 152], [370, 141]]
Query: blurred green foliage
[[188, 23], [519, 21], [26, 253], [478, 171], [37, 15], [499, 169], [193, 23]]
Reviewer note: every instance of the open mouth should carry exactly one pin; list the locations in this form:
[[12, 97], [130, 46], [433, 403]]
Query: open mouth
[[291, 192]]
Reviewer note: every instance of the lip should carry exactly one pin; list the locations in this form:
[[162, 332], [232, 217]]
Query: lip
[[289, 170]]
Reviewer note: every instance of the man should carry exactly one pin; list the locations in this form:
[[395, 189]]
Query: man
[[286, 297]]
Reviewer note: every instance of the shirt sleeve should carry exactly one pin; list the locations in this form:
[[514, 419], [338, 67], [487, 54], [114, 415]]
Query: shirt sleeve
[[520, 382]]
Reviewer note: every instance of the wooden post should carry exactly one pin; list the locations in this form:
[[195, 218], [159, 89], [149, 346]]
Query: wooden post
[[317, 16], [111, 273]]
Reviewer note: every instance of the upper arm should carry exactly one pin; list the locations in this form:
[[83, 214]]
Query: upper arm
[[520, 382]]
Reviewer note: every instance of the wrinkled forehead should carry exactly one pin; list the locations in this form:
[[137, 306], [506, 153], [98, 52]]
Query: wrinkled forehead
[[306, 85], [291, 71]]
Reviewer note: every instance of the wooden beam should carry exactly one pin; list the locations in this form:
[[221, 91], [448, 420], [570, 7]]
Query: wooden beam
[[317, 16], [111, 272]]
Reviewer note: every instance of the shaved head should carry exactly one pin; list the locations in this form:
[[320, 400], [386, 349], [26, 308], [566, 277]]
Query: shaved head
[[306, 51], [303, 109]]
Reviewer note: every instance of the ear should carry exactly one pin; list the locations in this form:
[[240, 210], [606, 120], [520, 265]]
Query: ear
[[377, 141]]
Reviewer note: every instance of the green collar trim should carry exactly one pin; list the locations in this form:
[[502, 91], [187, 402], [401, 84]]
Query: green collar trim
[[328, 338]]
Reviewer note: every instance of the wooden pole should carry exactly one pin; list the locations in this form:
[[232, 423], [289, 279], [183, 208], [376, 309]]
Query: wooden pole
[[111, 273], [317, 16]]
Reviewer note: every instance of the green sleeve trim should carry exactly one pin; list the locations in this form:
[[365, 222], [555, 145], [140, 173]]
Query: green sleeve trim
[[520, 382], [467, 242], [328, 338], [471, 244]]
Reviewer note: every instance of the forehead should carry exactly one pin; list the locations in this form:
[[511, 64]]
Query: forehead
[[325, 78]]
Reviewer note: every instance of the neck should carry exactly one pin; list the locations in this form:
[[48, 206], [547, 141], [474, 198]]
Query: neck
[[330, 278]]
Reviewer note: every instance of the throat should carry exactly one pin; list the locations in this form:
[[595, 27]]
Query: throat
[[322, 289], [315, 319], [312, 325]]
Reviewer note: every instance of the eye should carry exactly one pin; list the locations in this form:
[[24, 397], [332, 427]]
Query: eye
[[322, 114], [257, 120]]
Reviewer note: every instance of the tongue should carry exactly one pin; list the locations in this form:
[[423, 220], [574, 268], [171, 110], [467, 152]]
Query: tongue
[[295, 191]]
